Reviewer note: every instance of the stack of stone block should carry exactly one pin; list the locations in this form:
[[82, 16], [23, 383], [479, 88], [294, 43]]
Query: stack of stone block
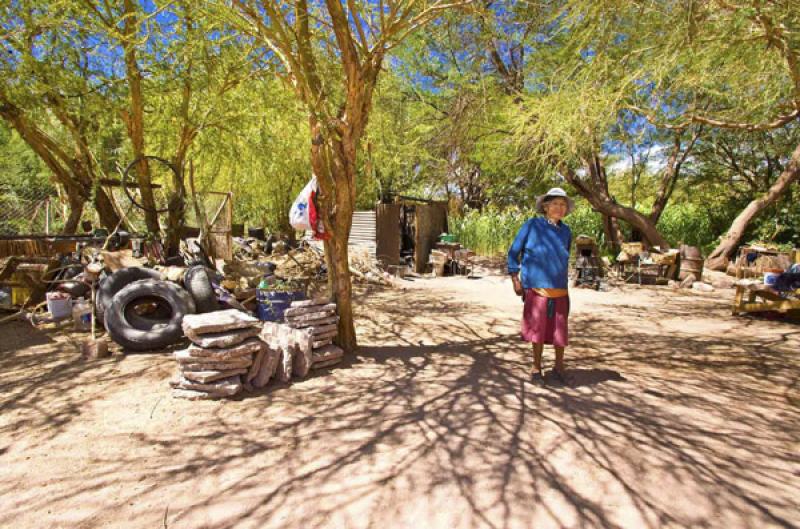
[[224, 345], [317, 318]]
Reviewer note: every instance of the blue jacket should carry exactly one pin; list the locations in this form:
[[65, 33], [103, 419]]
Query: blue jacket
[[541, 251]]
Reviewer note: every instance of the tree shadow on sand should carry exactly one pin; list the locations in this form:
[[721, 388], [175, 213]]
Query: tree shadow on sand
[[433, 422]]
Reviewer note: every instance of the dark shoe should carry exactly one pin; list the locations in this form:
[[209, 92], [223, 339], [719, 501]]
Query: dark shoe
[[561, 376], [537, 377]]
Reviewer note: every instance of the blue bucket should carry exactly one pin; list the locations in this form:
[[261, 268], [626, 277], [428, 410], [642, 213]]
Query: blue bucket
[[272, 305]]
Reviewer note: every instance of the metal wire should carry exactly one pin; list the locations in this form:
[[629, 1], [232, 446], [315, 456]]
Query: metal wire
[[25, 210]]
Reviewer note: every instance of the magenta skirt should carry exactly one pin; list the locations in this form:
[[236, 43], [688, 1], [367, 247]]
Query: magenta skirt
[[543, 324]]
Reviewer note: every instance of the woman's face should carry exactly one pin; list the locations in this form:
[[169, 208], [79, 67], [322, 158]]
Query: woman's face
[[555, 208]]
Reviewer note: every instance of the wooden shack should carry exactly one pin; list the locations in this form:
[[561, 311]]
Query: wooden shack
[[408, 229]]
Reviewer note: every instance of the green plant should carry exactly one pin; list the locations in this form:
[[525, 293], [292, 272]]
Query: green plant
[[688, 224], [491, 232], [282, 285]]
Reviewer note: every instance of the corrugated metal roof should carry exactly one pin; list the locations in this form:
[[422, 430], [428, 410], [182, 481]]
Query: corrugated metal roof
[[363, 231]]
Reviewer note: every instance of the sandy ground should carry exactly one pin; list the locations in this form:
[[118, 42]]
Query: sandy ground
[[680, 415]]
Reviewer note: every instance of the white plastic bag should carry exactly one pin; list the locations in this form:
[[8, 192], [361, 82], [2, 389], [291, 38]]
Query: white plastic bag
[[299, 214]]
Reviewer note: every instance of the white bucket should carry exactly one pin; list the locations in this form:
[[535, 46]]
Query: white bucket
[[59, 305], [82, 315]]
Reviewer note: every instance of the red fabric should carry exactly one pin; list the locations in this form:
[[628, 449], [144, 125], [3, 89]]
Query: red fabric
[[537, 327], [316, 222]]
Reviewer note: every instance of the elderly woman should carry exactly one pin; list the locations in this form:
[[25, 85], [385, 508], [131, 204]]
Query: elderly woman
[[538, 261]]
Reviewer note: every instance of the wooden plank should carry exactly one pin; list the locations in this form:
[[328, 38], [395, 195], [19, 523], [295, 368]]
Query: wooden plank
[[782, 306]]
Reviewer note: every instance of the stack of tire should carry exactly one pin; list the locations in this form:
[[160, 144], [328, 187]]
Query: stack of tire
[[143, 312]]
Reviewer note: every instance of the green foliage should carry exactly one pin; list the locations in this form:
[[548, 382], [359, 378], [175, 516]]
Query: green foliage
[[780, 225], [445, 121], [688, 224], [19, 166], [491, 232]]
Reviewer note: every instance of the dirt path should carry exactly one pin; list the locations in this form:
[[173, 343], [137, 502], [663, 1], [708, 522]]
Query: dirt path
[[680, 416]]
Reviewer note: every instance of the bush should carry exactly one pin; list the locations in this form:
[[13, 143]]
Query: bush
[[491, 232], [688, 224]]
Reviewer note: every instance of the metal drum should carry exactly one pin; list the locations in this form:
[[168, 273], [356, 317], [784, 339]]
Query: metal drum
[[690, 266]]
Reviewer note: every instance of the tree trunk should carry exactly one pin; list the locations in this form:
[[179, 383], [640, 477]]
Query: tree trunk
[[67, 171], [176, 217], [719, 258], [603, 203], [105, 210], [671, 172], [612, 232], [177, 214], [75, 212], [333, 162], [134, 118]]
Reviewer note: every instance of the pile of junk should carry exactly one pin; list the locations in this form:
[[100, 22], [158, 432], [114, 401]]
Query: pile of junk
[[125, 284]]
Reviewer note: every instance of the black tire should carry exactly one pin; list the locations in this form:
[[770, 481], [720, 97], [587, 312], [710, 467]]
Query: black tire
[[161, 333], [257, 233], [76, 289], [145, 313], [119, 280], [197, 282]]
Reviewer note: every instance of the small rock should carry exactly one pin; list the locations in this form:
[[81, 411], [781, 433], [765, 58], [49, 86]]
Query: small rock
[[702, 287], [723, 282]]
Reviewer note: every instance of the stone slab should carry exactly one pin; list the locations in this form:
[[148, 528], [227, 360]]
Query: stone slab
[[210, 376], [225, 338], [218, 366], [258, 359], [267, 368], [195, 354], [328, 363], [325, 329], [299, 312], [326, 354], [284, 372], [310, 302], [217, 321], [226, 387], [321, 343], [304, 346], [313, 324]]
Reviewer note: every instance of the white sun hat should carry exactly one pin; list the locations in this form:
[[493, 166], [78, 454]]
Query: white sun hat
[[553, 193]]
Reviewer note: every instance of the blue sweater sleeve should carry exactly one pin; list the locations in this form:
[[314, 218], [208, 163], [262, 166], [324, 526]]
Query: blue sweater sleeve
[[569, 239], [515, 252]]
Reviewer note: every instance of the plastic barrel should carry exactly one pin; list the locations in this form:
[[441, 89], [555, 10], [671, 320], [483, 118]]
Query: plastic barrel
[[272, 305]]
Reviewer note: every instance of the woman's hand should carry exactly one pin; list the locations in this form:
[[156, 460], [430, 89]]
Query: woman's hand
[[518, 290]]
